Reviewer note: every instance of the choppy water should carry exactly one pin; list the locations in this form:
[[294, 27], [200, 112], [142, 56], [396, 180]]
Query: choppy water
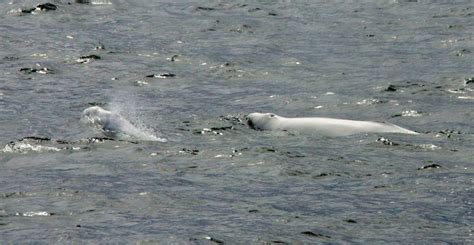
[[216, 180]]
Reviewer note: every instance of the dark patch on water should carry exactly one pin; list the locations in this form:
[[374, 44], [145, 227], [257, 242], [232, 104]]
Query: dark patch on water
[[430, 166], [386, 141], [46, 7], [10, 58], [326, 175], [272, 150], [468, 81], [101, 104], [173, 58], [14, 194], [40, 7], [100, 46], [88, 58], [463, 52], [190, 151], [312, 234], [205, 8], [162, 75], [450, 133], [410, 85], [43, 70], [235, 119]]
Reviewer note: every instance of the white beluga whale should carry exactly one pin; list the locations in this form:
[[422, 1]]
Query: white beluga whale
[[113, 125], [331, 127]]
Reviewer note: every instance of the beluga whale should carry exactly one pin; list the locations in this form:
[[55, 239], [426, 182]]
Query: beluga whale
[[330, 127], [113, 125]]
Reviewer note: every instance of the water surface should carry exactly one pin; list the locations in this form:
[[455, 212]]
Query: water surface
[[216, 180]]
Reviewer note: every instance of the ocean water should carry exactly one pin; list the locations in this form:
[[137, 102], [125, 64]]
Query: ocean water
[[190, 72]]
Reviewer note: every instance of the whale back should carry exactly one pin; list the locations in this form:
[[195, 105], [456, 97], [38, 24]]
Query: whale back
[[322, 126], [338, 127]]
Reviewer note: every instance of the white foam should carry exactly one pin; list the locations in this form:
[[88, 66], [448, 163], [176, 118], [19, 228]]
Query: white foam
[[20, 147], [32, 214]]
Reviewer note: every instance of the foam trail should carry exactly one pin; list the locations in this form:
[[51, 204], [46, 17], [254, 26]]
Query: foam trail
[[112, 124]]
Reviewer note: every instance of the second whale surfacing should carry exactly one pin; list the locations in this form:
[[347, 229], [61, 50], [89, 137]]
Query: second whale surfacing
[[320, 125], [113, 125]]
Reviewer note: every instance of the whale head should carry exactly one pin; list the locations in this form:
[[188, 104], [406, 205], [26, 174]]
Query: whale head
[[261, 121], [105, 121], [113, 125]]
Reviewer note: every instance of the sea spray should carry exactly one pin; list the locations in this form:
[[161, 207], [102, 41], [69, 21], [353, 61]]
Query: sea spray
[[113, 124]]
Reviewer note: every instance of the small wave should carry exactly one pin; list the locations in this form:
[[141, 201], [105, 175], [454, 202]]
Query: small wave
[[94, 2], [22, 147], [34, 213], [411, 113], [35, 144], [370, 102]]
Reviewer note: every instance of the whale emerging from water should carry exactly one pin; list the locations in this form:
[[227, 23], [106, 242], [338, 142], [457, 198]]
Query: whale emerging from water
[[320, 125], [113, 125]]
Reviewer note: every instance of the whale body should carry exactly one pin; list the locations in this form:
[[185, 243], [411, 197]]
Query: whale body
[[331, 127], [113, 125]]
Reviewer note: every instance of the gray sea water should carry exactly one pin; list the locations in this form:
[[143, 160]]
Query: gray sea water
[[216, 180]]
